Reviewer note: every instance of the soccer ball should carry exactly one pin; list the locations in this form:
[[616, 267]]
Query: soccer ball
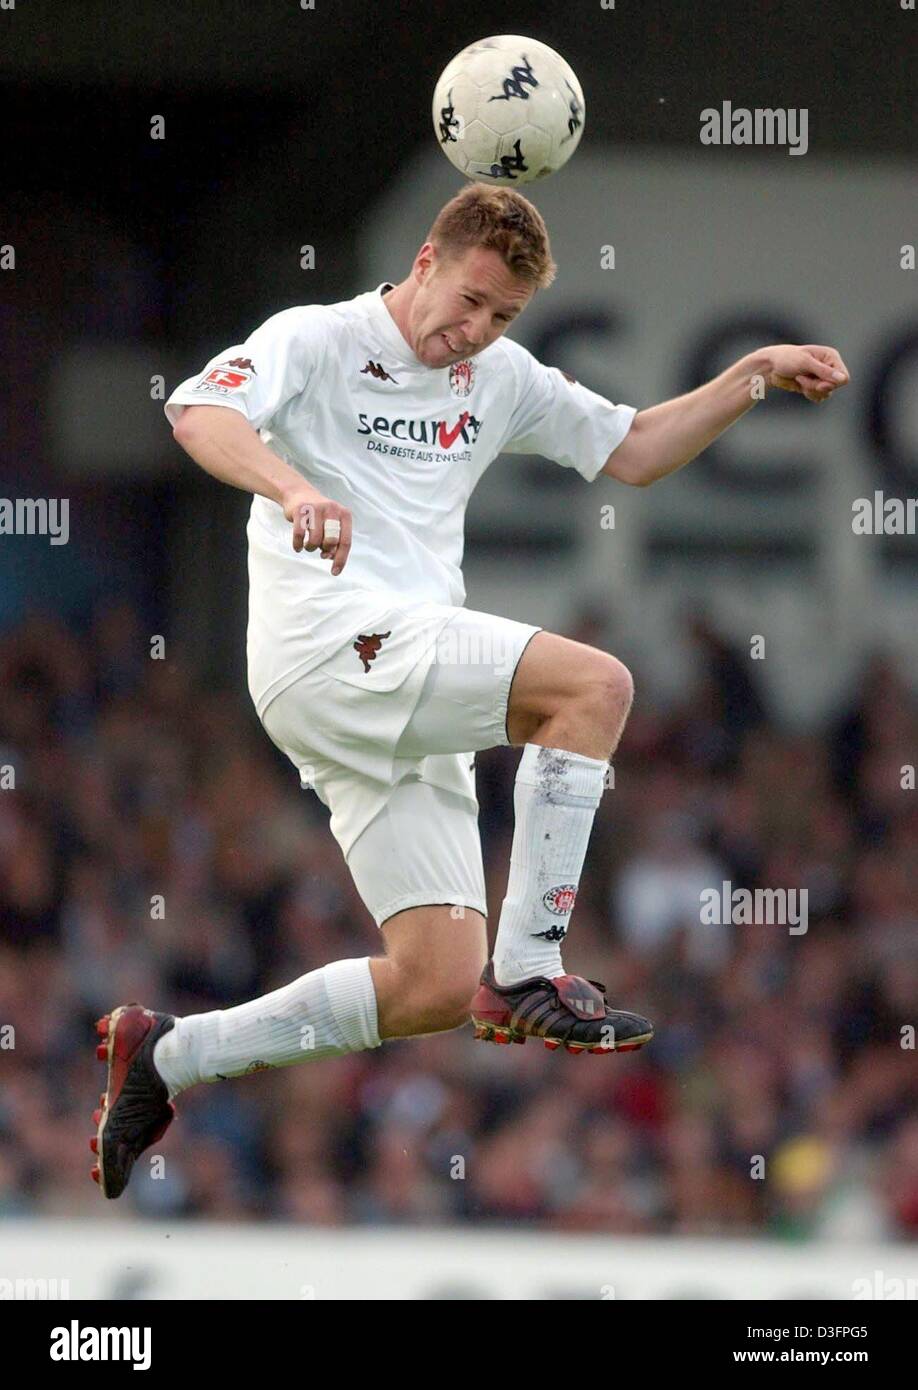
[[508, 110]]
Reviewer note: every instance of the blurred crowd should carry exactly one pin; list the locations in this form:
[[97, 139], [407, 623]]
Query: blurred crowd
[[154, 846]]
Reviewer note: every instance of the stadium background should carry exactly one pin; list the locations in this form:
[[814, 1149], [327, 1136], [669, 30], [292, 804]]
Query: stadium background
[[138, 258]]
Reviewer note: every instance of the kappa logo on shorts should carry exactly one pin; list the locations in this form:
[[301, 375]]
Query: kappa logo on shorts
[[377, 370], [560, 900], [367, 647], [245, 364]]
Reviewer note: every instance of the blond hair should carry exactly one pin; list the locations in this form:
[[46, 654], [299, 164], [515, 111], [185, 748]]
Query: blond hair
[[498, 219]]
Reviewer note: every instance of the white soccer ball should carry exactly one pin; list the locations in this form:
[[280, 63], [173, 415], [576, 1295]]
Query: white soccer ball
[[508, 110]]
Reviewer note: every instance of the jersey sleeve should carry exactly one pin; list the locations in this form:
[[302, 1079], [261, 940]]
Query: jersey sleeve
[[258, 377], [561, 419]]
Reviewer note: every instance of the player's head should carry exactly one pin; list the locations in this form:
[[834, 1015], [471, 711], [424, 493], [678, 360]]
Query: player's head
[[484, 258]]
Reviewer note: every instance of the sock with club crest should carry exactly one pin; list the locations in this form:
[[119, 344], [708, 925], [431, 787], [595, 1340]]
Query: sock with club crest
[[554, 800]]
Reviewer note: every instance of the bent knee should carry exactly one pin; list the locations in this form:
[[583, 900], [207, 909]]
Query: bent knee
[[608, 684]]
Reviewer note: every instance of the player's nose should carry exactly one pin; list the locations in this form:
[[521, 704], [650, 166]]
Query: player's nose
[[474, 331]]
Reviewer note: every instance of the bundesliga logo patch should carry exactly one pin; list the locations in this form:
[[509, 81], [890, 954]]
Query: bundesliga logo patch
[[232, 376], [560, 900], [461, 378]]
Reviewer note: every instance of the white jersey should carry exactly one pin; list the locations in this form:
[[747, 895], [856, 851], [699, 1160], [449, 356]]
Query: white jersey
[[336, 391]]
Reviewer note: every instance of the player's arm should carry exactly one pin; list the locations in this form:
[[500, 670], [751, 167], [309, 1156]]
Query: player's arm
[[669, 435], [225, 445]]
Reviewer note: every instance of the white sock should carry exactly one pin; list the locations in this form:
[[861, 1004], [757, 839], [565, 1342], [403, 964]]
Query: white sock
[[323, 1014], [554, 801]]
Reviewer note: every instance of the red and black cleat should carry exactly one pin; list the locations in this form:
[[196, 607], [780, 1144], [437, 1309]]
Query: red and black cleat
[[567, 1011], [135, 1109]]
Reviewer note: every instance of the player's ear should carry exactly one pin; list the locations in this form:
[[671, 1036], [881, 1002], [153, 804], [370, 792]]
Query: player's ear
[[424, 262]]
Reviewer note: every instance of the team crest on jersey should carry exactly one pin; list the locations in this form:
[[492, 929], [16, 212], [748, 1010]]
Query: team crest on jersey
[[560, 900], [461, 377]]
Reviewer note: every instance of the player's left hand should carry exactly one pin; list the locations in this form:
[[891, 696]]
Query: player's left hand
[[812, 371]]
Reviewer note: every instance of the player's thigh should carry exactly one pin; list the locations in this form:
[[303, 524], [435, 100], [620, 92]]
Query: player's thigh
[[551, 672]]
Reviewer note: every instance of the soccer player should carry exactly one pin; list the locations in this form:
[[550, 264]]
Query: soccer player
[[362, 428]]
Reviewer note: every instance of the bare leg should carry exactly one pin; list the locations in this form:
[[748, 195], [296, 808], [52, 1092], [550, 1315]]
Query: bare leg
[[568, 695], [434, 958]]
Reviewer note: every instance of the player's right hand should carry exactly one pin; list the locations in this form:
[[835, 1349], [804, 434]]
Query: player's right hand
[[309, 514], [814, 371]]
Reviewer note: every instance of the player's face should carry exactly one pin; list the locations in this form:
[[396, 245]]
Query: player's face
[[462, 306]]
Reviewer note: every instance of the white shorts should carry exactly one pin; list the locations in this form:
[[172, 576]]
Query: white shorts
[[394, 765]]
